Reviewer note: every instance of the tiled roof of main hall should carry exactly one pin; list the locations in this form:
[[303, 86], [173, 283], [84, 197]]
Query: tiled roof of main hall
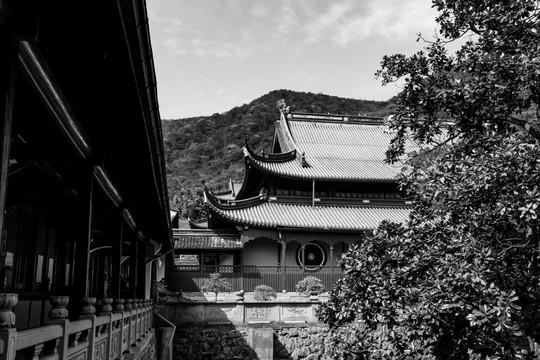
[[340, 150], [342, 218]]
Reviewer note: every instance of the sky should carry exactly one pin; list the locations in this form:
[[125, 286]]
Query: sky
[[213, 55]]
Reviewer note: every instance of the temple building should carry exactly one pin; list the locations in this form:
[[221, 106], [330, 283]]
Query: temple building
[[323, 187], [84, 212]]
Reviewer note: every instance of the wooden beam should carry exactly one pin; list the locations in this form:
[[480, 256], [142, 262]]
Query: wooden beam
[[48, 90], [106, 184]]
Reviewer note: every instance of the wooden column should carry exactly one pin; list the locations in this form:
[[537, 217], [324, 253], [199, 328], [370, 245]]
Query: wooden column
[[7, 104], [116, 279], [81, 262], [332, 260], [133, 260], [313, 194], [284, 265], [141, 269], [241, 268], [303, 250]]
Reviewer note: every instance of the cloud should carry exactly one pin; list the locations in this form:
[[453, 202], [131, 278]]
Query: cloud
[[348, 21], [260, 10], [173, 46], [325, 23], [175, 26], [288, 21], [203, 47]]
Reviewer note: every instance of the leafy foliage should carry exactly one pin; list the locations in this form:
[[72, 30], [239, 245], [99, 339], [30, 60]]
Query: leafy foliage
[[461, 279], [209, 148], [216, 284], [492, 80], [264, 293], [310, 284]]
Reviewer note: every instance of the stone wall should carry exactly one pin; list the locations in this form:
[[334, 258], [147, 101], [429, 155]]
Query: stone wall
[[194, 342], [311, 342], [212, 342]]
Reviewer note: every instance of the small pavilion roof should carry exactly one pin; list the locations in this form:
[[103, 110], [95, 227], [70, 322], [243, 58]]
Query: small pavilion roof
[[304, 216], [206, 239], [332, 147]]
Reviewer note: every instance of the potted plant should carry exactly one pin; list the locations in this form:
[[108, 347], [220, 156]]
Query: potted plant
[[264, 293], [310, 285], [216, 284]]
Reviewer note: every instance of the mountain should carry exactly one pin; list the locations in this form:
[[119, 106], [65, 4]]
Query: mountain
[[209, 148]]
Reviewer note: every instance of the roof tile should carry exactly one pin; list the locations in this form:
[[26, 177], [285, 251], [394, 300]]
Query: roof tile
[[333, 150], [356, 218]]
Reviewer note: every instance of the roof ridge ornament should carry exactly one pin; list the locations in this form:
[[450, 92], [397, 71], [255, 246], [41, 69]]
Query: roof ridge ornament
[[282, 106], [303, 160]]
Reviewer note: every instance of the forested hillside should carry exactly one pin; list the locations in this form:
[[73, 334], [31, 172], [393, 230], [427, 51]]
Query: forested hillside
[[209, 148]]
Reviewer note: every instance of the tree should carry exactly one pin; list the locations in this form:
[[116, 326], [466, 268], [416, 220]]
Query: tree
[[216, 284], [461, 278]]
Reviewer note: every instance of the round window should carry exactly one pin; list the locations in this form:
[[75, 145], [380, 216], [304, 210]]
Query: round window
[[315, 256]]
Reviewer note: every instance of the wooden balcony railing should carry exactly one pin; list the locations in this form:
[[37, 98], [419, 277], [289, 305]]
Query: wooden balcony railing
[[124, 331], [190, 279]]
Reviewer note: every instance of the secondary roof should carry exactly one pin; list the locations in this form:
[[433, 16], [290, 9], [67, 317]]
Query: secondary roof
[[301, 216]]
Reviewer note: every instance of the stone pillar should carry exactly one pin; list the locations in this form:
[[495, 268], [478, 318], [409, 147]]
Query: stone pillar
[[88, 307], [58, 310], [8, 333], [106, 307], [240, 316], [58, 315], [116, 349], [261, 340], [118, 305]]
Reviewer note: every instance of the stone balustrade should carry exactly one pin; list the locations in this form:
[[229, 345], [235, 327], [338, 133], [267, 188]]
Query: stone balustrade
[[242, 312], [122, 333]]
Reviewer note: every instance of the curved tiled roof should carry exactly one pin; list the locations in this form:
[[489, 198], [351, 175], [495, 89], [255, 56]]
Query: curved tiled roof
[[196, 240], [343, 218], [337, 150]]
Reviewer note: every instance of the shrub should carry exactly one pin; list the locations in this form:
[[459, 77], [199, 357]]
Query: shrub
[[310, 284], [215, 283], [264, 293]]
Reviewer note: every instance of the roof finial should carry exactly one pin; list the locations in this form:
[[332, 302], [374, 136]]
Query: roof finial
[[245, 138], [282, 106], [303, 160]]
